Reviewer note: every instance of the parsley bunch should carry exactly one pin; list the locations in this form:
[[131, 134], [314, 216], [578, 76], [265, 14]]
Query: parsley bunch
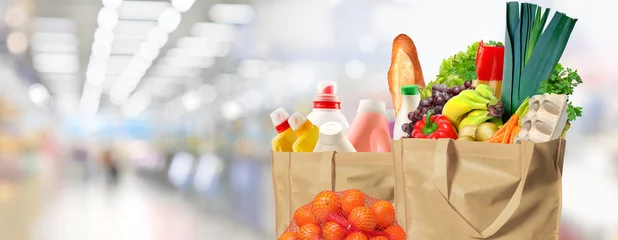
[[563, 81]]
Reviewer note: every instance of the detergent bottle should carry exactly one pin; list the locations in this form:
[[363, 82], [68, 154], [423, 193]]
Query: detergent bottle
[[306, 132], [286, 137], [332, 138], [327, 106], [369, 131]]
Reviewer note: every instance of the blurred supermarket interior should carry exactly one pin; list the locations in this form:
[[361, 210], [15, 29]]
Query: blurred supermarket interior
[[149, 119]]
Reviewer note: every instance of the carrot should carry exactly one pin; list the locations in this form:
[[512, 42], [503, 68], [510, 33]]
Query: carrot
[[497, 137], [501, 134], [515, 132], [509, 128]]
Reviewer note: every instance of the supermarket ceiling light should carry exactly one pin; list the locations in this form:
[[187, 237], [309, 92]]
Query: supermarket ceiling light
[[44, 38], [169, 20], [182, 5], [130, 77], [56, 63], [96, 74], [54, 43], [142, 10], [38, 94], [103, 35], [149, 51], [15, 16], [108, 18], [214, 31], [191, 101], [101, 49], [17, 43], [231, 13], [118, 95], [232, 110], [158, 36], [89, 103], [136, 104]]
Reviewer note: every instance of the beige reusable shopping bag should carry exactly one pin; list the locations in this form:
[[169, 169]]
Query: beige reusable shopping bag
[[299, 177], [451, 190]]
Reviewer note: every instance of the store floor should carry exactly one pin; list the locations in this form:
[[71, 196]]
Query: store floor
[[133, 209]]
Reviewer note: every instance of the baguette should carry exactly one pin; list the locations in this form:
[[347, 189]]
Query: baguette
[[405, 68]]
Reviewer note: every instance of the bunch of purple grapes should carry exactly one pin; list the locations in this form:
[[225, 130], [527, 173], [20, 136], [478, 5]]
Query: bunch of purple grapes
[[440, 94]]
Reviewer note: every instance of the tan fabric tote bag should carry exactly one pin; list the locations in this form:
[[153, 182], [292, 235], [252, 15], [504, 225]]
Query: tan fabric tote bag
[[451, 190], [299, 177]]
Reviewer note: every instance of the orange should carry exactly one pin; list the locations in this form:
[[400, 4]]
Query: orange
[[289, 236], [362, 218], [384, 212], [395, 232], [325, 205], [356, 236], [351, 199], [379, 238], [333, 231], [309, 232], [304, 215]]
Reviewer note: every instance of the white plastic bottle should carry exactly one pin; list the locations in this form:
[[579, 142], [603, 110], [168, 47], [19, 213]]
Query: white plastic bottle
[[332, 138], [409, 102], [327, 106]]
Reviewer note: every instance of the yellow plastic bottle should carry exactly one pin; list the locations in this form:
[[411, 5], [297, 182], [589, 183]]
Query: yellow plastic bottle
[[286, 137], [306, 132]]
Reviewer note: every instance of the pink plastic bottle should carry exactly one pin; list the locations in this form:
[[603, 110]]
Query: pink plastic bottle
[[369, 131]]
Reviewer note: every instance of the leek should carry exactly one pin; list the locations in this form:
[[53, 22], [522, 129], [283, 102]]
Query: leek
[[531, 53]]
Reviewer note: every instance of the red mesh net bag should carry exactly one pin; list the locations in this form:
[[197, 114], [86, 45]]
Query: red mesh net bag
[[346, 215]]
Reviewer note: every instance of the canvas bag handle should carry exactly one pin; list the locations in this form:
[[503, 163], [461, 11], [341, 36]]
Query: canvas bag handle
[[326, 176], [446, 147]]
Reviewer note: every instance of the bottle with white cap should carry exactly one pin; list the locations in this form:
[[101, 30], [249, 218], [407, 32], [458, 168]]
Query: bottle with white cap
[[327, 106], [332, 138], [369, 130], [306, 132], [286, 137]]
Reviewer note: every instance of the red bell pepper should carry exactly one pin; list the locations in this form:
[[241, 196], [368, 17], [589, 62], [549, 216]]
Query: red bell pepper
[[489, 62], [434, 127]]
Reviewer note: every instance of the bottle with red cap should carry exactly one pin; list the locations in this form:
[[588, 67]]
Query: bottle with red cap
[[285, 139], [306, 132], [327, 106]]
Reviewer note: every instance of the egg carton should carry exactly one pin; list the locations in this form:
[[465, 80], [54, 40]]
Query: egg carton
[[545, 119]]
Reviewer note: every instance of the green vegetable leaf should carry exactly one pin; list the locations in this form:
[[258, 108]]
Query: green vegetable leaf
[[574, 112], [455, 70], [563, 81]]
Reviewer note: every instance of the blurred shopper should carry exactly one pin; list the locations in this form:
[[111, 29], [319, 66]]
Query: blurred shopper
[[80, 155], [111, 167]]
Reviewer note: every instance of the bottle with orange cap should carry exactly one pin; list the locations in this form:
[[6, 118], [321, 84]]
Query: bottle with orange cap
[[285, 139]]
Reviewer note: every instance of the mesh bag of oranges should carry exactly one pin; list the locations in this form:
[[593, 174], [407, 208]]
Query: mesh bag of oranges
[[345, 215]]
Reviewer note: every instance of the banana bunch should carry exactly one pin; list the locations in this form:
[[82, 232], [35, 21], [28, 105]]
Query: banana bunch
[[473, 107]]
